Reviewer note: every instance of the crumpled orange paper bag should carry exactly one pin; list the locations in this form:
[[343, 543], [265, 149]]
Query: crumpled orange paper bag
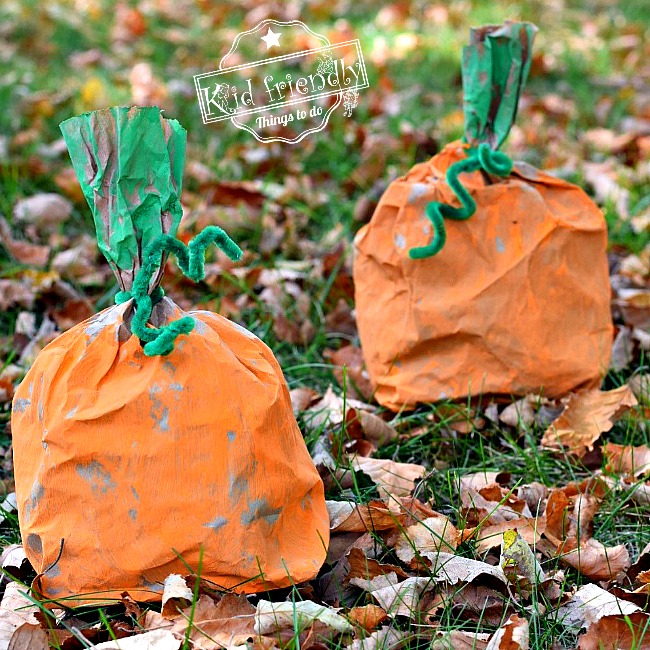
[[131, 467], [517, 301]]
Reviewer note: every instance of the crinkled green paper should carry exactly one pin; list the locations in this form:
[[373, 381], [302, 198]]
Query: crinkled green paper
[[129, 162], [495, 68]]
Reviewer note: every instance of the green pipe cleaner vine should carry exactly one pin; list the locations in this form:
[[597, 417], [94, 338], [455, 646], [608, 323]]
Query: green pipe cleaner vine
[[191, 260], [493, 162]]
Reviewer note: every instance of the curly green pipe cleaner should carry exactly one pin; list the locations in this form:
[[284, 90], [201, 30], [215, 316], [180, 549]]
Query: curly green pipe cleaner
[[493, 162], [191, 260]]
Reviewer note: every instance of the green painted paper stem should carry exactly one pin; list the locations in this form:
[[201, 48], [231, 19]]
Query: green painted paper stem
[[495, 67], [129, 161]]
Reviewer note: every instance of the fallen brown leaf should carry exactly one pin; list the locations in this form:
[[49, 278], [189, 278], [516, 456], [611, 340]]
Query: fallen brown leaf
[[585, 507], [302, 398], [385, 638], [341, 319], [400, 598], [491, 504], [477, 602], [329, 410], [454, 569], [153, 640], [587, 415], [350, 371], [521, 412], [347, 516], [15, 610], [368, 568], [15, 292], [594, 560], [489, 536], [367, 617], [371, 426], [426, 539], [271, 617], [22, 251], [622, 459], [591, 603], [176, 595], [230, 622], [512, 635], [393, 479], [460, 640], [29, 637], [618, 633], [478, 480], [43, 210]]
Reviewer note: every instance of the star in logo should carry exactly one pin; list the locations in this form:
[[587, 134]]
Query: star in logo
[[271, 39]]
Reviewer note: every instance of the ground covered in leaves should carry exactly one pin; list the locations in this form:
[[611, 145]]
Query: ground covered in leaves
[[486, 525]]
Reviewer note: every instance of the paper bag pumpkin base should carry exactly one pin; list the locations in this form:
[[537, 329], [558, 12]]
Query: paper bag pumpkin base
[[518, 300], [136, 461]]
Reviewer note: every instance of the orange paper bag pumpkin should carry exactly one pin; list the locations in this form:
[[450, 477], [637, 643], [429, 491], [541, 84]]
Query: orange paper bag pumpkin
[[478, 276], [133, 463]]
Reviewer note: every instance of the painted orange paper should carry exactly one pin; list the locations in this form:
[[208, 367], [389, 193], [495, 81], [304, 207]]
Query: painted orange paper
[[517, 301], [132, 462]]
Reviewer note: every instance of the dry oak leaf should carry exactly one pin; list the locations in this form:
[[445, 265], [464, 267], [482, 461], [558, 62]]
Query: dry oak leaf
[[570, 513], [301, 398], [153, 640], [15, 610], [401, 599], [351, 517], [368, 568], [589, 604], [29, 637], [477, 602], [512, 635], [454, 569], [426, 538], [520, 412], [587, 415], [23, 252], [618, 633], [385, 638], [478, 480], [492, 504], [377, 583], [371, 426], [176, 595], [271, 617], [489, 535], [593, 559], [357, 381], [534, 494], [460, 640], [585, 507], [392, 479], [43, 209], [224, 624], [367, 617], [625, 459], [329, 410]]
